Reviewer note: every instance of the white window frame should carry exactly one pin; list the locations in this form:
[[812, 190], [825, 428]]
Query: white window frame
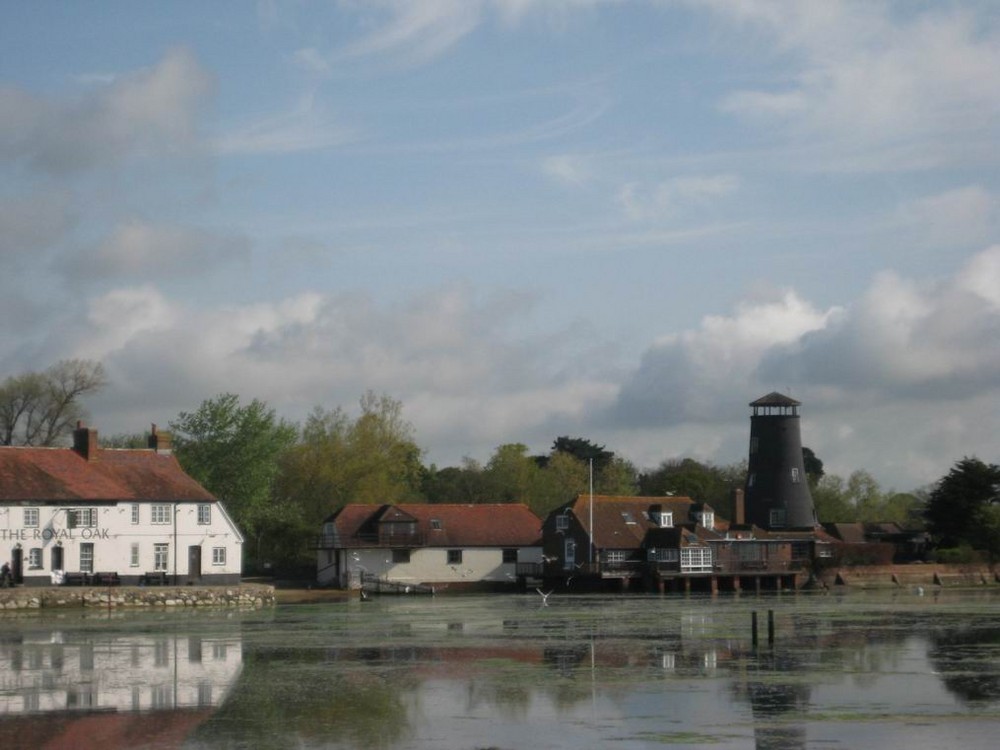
[[81, 518], [86, 557], [666, 519], [161, 556], [204, 514], [218, 555], [795, 475], [696, 560], [135, 513], [776, 517], [134, 555], [35, 558], [562, 522], [708, 520], [31, 518], [159, 514]]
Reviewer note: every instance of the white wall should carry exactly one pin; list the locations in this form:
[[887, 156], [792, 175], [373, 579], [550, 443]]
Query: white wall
[[114, 534]]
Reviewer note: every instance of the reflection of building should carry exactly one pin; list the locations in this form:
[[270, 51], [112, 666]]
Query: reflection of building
[[91, 691], [45, 673], [90, 515], [444, 544]]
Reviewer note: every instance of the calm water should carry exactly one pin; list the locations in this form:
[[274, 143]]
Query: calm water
[[853, 670]]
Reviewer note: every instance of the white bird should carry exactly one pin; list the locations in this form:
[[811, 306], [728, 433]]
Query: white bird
[[545, 597]]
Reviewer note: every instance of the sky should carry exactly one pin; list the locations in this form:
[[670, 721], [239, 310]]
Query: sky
[[616, 220]]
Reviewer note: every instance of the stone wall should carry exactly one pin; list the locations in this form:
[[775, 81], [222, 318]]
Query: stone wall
[[917, 574], [242, 595]]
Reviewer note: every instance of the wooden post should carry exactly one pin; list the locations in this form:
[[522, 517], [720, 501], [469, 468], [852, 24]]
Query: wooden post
[[770, 627], [753, 627]]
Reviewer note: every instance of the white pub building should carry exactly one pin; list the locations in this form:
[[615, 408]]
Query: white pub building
[[87, 515]]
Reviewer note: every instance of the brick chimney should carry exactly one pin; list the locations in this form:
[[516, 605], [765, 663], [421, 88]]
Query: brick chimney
[[739, 508], [160, 441], [85, 441]]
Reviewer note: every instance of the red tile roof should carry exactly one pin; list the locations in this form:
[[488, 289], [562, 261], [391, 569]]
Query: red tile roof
[[482, 525], [62, 474]]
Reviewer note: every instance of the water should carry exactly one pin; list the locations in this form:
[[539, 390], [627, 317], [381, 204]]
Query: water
[[852, 670]]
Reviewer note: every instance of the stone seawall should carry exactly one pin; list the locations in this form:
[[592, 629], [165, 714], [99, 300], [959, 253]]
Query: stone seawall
[[917, 574], [242, 595]]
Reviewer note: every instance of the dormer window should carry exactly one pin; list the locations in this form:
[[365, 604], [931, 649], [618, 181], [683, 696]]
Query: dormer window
[[436, 524], [707, 519], [627, 517], [664, 519], [562, 522]]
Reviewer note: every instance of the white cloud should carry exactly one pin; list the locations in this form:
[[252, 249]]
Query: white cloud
[[961, 216], [306, 127], [668, 198], [153, 111], [139, 250], [875, 73], [570, 169]]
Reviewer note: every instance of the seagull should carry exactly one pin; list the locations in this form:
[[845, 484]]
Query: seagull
[[545, 597], [549, 558]]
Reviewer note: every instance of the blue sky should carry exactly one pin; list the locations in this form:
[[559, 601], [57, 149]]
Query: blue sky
[[521, 218]]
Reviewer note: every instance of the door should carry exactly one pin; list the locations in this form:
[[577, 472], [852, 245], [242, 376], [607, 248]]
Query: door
[[57, 558], [16, 565], [194, 562], [570, 556]]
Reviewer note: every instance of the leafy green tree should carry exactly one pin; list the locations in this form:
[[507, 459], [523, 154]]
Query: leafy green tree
[[960, 508], [42, 408], [584, 451], [234, 452], [830, 500], [339, 460], [701, 482]]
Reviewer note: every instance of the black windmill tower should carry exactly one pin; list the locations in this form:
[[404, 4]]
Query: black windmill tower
[[777, 493]]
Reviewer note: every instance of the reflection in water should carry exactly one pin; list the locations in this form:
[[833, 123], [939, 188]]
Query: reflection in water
[[464, 672], [101, 688]]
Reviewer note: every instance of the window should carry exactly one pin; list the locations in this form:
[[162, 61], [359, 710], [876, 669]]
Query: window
[[696, 559], [218, 555], [658, 554], [510, 555], [665, 520], [436, 524], [87, 557], [627, 517], [135, 513], [777, 517], [454, 557], [754, 444], [401, 555], [160, 514], [133, 559], [35, 557], [750, 480], [204, 513], [562, 522], [81, 517], [707, 520], [31, 517], [795, 475], [160, 555], [616, 556]]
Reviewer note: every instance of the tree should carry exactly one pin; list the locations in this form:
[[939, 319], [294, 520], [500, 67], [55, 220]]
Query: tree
[[960, 508], [701, 482], [339, 460], [813, 466], [41, 408], [234, 452]]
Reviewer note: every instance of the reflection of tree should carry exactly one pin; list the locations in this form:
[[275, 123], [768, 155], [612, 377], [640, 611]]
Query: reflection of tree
[[957, 654], [777, 700], [288, 697]]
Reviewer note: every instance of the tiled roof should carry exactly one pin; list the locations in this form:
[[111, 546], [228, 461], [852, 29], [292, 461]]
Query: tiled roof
[[622, 522], [481, 525], [62, 474]]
